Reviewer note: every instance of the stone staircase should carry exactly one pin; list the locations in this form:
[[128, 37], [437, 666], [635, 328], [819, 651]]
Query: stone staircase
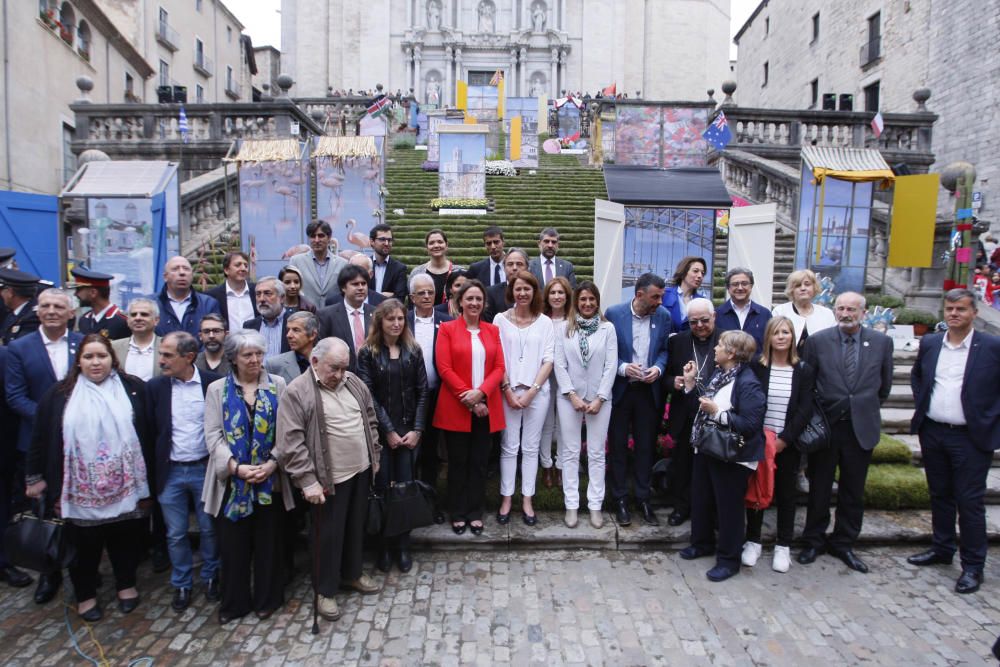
[[784, 264]]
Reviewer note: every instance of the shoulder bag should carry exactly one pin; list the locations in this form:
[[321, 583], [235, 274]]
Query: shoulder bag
[[39, 544], [816, 434], [719, 441]]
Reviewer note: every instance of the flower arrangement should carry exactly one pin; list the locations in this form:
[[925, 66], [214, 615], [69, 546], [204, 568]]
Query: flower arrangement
[[429, 166], [454, 202], [500, 168]]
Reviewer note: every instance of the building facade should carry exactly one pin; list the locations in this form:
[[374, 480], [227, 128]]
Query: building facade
[[658, 49]]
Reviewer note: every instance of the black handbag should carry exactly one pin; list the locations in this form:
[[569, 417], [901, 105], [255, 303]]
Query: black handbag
[[376, 513], [408, 505], [719, 441], [37, 544], [816, 434]]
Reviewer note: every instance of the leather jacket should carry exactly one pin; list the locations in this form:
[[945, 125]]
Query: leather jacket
[[373, 369]]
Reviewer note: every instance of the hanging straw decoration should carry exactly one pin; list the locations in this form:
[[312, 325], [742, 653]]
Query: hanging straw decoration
[[267, 150], [345, 147]]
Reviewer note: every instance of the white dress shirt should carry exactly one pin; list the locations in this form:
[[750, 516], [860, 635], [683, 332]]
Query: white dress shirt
[[58, 350], [240, 305], [493, 268], [139, 360], [380, 268], [946, 396], [180, 307], [187, 417], [741, 313], [478, 359], [423, 333], [640, 342]]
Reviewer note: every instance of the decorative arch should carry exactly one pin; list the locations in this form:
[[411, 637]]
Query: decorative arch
[[83, 39], [67, 22]]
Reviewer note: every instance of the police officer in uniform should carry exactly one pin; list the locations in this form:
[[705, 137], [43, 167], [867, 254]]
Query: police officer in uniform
[[18, 290], [6, 262], [93, 289]]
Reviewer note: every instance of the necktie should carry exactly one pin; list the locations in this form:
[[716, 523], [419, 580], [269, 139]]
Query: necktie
[[548, 272], [496, 274], [359, 331], [850, 360]]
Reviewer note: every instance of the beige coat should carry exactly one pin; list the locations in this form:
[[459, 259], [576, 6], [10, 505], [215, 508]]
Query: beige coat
[[213, 493], [121, 349], [302, 442]]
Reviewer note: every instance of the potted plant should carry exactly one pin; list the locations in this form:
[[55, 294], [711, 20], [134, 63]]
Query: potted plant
[[922, 320]]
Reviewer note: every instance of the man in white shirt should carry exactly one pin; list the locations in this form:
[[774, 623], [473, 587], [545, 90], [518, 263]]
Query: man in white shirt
[[490, 271], [139, 354], [236, 294], [739, 313]]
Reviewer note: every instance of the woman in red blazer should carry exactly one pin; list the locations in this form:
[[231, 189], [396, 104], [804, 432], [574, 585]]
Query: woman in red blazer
[[469, 362]]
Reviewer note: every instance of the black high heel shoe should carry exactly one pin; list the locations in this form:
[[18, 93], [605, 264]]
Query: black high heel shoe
[[476, 530], [503, 519], [459, 528]]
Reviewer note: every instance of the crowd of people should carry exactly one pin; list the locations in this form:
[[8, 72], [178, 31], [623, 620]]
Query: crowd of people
[[263, 407]]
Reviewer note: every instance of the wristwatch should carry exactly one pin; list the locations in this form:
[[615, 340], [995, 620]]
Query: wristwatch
[[536, 386]]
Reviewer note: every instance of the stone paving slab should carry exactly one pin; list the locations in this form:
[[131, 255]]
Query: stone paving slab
[[552, 608]]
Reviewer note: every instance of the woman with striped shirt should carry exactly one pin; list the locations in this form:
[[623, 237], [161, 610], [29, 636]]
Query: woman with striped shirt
[[788, 383]]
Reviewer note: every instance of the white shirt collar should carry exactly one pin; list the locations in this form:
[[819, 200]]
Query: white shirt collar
[[132, 344], [636, 315], [184, 300], [429, 319], [195, 378], [966, 342], [351, 309], [50, 341], [231, 292]]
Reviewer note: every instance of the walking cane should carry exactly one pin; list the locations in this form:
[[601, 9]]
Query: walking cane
[[314, 514]]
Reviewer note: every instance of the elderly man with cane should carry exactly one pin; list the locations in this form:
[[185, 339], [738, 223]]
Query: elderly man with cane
[[327, 441]]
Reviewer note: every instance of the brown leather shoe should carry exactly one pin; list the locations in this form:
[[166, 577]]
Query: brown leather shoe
[[547, 477], [364, 585]]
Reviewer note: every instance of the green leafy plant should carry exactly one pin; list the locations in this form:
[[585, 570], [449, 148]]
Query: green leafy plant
[[916, 316]]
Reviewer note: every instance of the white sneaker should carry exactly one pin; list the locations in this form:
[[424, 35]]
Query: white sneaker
[[570, 519], [782, 559], [751, 553]]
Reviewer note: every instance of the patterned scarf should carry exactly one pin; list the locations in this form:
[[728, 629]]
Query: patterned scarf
[[247, 448], [720, 378], [587, 329]]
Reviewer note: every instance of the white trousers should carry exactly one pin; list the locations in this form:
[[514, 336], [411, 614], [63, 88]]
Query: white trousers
[[523, 433], [550, 431], [570, 423]]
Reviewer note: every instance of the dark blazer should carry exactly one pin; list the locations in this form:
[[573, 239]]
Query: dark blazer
[[726, 319], [684, 407], [620, 315], [114, 324], [496, 302], [672, 303], [481, 271], [219, 294], [746, 417], [159, 415], [373, 299], [394, 281], [45, 456], [980, 399], [373, 369], [800, 404], [256, 323], [861, 399], [563, 268], [29, 376], [439, 319], [441, 309], [18, 326], [333, 321], [201, 305], [9, 418]]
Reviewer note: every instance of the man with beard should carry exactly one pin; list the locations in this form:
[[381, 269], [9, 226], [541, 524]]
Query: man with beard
[[272, 321], [213, 336], [93, 290], [546, 266], [319, 268]]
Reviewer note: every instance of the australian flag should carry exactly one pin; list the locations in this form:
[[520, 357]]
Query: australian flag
[[718, 133]]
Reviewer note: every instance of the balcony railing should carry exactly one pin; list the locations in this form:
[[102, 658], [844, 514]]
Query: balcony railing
[[203, 65], [871, 51], [167, 36], [233, 89]]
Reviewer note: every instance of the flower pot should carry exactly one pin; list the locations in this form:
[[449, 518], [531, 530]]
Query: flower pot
[[920, 329]]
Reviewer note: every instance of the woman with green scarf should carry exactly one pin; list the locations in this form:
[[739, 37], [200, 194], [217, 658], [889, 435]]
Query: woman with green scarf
[[248, 493]]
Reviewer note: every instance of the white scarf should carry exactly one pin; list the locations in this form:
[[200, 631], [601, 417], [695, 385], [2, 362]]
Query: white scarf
[[104, 474]]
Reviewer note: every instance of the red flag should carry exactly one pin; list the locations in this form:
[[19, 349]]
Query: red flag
[[611, 90]]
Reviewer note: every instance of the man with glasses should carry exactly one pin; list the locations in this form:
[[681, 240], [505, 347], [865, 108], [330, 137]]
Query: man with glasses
[[319, 268], [213, 337], [490, 271], [739, 313], [390, 273], [696, 344]]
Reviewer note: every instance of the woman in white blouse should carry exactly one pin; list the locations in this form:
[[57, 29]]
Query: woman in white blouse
[[806, 316], [527, 338], [586, 362], [557, 303]]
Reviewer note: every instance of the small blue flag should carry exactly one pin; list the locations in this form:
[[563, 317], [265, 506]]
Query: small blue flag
[[718, 133], [965, 214], [182, 125]]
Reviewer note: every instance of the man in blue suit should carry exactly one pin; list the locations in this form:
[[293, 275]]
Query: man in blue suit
[[957, 417], [10, 485], [739, 313], [35, 363], [642, 326]]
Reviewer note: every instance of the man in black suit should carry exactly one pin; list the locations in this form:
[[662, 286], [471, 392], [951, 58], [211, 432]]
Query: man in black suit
[[424, 321], [8, 476], [236, 294], [853, 378], [490, 271], [496, 296], [18, 290], [696, 344], [957, 417], [350, 319], [176, 410], [389, 274], [547, 266], [374, 298], [272, 322]]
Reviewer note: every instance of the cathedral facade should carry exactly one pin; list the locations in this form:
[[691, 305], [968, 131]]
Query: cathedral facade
[[658, 49]]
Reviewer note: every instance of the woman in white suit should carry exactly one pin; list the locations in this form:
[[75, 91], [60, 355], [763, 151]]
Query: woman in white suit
[[586, 361]]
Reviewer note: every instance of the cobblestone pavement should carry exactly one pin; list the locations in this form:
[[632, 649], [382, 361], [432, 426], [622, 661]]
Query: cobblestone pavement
[[553, 608]]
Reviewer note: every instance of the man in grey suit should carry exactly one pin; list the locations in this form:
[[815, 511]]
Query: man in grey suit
[[319, 268], [139, 355], [548, 266], [303, 332], [853, 377]]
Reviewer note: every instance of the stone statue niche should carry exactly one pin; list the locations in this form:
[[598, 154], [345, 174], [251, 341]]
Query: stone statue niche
[[432, 88], [538, 86], [433, 14], [487, 17], [539, 12]]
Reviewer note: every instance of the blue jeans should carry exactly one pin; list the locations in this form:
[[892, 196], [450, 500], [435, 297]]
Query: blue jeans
[[184, 484]]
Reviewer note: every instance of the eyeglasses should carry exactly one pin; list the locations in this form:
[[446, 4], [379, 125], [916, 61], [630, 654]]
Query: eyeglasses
[[383, 239], [743, 283], [425, 292], [700, 320], [213, 332]]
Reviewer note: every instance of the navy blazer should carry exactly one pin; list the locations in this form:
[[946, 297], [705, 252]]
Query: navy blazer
[[159, 417], [256, 323], [481, 271], [201, 305], [8, 436], [980, 399], [660, 328], [24, 322], [219, 294], [29, 376], [746, 417], [726, 319], [439, 319], [373, 299]]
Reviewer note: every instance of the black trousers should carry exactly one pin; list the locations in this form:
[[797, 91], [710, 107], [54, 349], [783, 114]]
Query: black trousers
[[468, 454], [123, 542], [427, 458], [956, 476], [636, 412], [680, 471], [396, 465], [785, 475], [717, 492], [844, 452], [341, 528], [251, 553], [10, 483]]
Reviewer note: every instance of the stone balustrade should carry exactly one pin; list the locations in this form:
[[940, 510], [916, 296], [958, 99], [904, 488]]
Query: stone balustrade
[[209, 207], [761, 181]]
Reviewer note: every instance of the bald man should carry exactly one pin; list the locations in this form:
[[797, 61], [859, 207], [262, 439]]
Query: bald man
[[181, 306]]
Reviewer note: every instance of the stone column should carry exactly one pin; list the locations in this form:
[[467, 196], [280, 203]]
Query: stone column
[[554, 72], [409, 13], [509, 87], [458, 64], [522, 89], [409, 68], [418, 84], [448, 94]]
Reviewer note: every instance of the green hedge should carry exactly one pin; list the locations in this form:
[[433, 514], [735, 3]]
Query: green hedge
[[896, 487], [891, 450]]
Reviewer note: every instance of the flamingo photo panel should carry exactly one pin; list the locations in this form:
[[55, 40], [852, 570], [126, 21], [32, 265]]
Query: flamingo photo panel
[[274, 211], [349, 197]]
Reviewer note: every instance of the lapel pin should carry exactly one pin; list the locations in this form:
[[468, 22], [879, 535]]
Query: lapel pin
[[865, 343], [652, 325]]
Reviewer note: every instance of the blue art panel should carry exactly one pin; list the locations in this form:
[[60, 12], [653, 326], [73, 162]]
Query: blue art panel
[[462, 171], [527, 109], [656, 239], [483, 101], [349, 197], [433, 142], [569, 120], [423, 132], [121, 241], [274, 211]]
